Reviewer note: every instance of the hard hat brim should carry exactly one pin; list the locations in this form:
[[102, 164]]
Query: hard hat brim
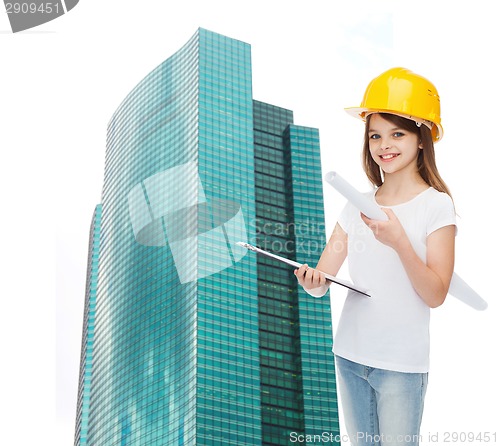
[[363, 112]]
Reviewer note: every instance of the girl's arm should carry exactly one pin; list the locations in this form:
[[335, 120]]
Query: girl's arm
[[332, 258], [431, 279]]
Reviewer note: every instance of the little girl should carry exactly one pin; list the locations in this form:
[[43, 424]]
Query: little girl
[[382, 343]]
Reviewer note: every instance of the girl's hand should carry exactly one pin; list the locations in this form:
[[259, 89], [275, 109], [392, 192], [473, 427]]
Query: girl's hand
[[390, 233], [310, 278], [313, 280]]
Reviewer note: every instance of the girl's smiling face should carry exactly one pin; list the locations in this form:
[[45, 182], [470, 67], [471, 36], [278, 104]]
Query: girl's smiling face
[[394, 149]]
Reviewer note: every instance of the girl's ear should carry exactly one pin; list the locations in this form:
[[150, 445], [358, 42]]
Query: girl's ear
[[420, 145]]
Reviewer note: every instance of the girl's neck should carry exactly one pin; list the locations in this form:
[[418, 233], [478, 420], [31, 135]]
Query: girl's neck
[[400, 188]]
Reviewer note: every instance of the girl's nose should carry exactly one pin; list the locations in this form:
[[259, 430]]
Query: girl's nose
[[385, 145]]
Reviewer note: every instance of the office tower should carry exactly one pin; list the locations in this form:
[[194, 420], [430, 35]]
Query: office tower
[[83, 402], [197, 341]]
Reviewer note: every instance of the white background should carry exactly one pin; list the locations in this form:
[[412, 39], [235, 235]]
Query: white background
[[61, 82]]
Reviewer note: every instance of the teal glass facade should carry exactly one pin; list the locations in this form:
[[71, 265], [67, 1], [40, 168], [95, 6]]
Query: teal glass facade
[[297, 372], [318, 374], [197, 341], [84, 383]]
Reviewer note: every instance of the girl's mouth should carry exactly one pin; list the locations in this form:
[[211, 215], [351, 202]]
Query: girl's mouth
[[388, 156]]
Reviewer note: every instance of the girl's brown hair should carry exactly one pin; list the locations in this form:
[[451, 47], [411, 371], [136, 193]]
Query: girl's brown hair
[[426, 161]]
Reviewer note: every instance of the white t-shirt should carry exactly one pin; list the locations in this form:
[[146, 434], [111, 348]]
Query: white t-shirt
[[390, 330]]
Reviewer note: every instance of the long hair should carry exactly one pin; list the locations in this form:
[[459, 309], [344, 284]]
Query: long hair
[[426, 160]]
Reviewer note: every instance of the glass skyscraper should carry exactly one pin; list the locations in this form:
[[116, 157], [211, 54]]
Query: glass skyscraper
[[88, 330], [188, 338]]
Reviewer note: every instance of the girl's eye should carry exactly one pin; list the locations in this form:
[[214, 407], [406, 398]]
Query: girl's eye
[[374, 136], [398, 134]]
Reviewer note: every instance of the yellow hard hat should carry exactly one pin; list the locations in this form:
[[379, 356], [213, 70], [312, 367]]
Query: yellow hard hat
[[401, 92]]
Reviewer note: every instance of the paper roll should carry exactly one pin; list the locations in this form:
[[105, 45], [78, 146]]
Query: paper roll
[[463, 292], [458, 287], [360, 201]]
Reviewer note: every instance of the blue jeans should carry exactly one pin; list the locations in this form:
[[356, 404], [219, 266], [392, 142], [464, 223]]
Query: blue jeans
[[381, 407]]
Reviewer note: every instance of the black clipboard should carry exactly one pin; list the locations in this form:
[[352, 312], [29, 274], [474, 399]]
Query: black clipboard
[[289, 262]]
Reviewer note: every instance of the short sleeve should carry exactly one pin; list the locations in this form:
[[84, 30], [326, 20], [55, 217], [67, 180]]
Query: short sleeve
[[441, 213], [345, 217]]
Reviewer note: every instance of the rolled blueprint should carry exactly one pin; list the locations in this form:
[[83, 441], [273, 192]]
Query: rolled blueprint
[[361, 202], [458, 287]]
